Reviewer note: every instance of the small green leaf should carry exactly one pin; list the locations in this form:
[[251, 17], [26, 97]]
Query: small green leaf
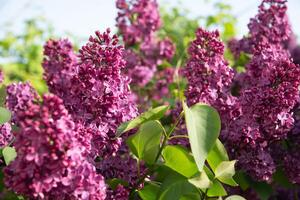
[[179, 159], [263, 190], [152, 114], [217, 155], [203, 125], [235, 197], [216, 190], [9, 154], [145, 143], [280, 178], [242, 179], [5, 115], [149, 192], [225, 171], [202, 181]]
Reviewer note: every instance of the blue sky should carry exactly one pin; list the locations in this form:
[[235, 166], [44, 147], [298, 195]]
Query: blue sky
[[83, 17]]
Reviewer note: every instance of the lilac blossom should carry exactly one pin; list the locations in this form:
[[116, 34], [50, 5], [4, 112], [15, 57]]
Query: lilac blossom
[[59, 67], [208, 74], [95, 92], [269, 26], [50, 161], [137, 20]]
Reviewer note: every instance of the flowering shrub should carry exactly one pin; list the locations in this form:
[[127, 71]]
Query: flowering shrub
[[128, 117]]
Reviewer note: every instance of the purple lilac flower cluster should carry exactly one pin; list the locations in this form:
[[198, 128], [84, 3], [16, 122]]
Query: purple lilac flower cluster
[[269, 26], [209, 77], [51, 162], [138, 21], [95, 92], [59, 65], [262, 112], [97, 95]]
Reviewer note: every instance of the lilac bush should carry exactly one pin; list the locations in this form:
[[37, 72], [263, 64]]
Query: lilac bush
[[86, 138]]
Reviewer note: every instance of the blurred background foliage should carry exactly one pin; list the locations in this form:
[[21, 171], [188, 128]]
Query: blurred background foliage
[[21, 54]]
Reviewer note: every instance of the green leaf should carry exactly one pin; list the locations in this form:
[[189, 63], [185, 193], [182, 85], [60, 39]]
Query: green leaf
[[235, 197], [9, 154], [263, 190], [216, 190], [192, 196], [145, 143], [282, 180], [203, 125], [242, 179], [179, 159], [152, 114], [176, 186], [149, 192], [202, 181], [5, 115], [225, 171], [217, 155]]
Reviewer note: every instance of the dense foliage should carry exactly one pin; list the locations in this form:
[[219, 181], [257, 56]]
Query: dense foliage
[[160, 110]]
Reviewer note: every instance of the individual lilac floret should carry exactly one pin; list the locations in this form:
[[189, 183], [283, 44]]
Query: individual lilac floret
[[208, 74], [50, 162], [270, 25], [59, 67], [137, 20], [19, 97], [6, 135]]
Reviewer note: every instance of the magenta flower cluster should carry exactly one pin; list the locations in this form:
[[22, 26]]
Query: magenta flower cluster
[[92, 87], [269, 26], [51, 162], [138, 21], [261, 112], [61, 134], [209, 77]]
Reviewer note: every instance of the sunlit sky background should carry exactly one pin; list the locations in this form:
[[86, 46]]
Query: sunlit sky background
[[83, 17]]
